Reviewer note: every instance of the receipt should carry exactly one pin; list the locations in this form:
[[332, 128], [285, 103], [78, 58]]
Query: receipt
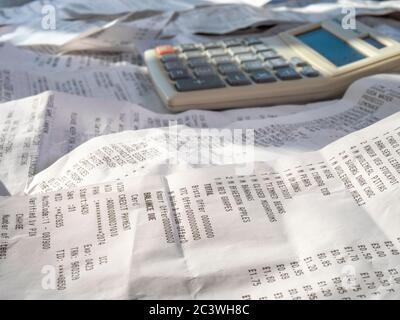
[[123, 34], [219, 19], [317, 225], [226, 18], [39, 62], [65, 121], [33, 33], [15, 15], [118, 35], [321, 225], [106, 195], [74, 120], [124, 83], [21, 126], [366, 102], [79, 10], [71, 120], [316, 11]]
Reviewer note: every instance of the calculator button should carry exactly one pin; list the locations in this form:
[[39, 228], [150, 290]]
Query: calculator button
[[237, 79], [246, 57], [222, 59], [277, 63], [203, 83], [165, 49], [213, 45], [227, 68], [188, 47], [298, 62], [260, 48], [173, 65], [238, 50], [270, 54], [309, 71], [197, 62], [287, 74], [215, 52], [169, 57], [251, 41], [249, 66], [263, 76], [232, 43], [176, 74], [193, 54], [204, 71]]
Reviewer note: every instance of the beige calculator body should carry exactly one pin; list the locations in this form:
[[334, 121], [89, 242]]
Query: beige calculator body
[[312, 62]]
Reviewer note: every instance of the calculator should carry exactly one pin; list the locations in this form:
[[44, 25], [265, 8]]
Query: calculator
[[312, 62]]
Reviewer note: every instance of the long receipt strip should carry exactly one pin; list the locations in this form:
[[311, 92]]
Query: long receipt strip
[[124, 83], [47, 126], [129, 153], [17, 58], [315, 225], [55, 123]]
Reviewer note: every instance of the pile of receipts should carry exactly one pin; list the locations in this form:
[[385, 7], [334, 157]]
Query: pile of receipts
[[105, 194]]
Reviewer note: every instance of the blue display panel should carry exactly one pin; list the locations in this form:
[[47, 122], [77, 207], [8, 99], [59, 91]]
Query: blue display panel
[[331, 47]]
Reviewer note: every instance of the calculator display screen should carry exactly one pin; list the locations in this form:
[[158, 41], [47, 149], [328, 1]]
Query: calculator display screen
[[336, 50]]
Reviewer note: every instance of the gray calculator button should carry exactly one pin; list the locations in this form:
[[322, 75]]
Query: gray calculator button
[[204, 71], [197, 62], [271, 54], [227, 68], [213, 45], [176, 74], [263, 76], [169, 57], [309, 71], [173, 65], [246, 57], [298, 62], [203, 83], [232, 43], [249, 66], [277, 63], [249, 41], [222, 59], [216, 52], [193, 54], [188, 47], [260, 48], [287, 74], [238, 50], [237, 79]]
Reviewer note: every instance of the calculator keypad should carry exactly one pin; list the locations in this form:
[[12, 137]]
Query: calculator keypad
[[232, 62]]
